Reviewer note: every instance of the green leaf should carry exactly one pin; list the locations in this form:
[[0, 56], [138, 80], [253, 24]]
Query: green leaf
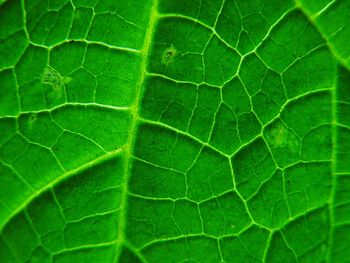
[[174, 131]]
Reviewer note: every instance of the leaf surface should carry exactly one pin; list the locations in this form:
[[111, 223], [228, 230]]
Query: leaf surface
[[174, 131]]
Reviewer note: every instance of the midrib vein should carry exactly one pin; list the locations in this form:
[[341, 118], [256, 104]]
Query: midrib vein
[[341, 62], [133, 127], [334, 169]]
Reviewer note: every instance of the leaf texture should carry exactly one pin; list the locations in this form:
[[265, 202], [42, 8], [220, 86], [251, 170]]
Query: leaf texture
[[174, 131]]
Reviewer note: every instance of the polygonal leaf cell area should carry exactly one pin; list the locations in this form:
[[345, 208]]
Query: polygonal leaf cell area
[[165, 131]]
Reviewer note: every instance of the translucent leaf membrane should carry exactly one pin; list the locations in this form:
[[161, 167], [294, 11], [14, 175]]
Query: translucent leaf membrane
[[174, 131]]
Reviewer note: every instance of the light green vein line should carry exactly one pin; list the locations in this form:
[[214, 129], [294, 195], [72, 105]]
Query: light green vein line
[[59, 179], [166, 126], [324, 9], [271, 28], [313, 21], [100, 43], [171, 15], [68, 104], [289, 246], [334, 173], [87, 246], [24, 17], [136, 252], [133, 127], [267, 247]]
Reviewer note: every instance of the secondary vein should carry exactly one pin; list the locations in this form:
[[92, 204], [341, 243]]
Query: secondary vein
[[59, 179]]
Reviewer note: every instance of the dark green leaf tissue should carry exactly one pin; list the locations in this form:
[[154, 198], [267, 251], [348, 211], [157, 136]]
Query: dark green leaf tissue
[[174, 131]]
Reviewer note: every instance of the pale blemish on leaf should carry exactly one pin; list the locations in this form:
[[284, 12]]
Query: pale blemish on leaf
[[32, 119], [52, 77], [67, 79], [169, 55], [55, 85], [279, 135]]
